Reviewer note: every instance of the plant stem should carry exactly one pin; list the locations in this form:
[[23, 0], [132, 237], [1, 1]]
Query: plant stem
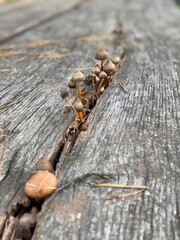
[[72, 107]]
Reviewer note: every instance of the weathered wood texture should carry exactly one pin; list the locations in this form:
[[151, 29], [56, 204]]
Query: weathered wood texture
[[132, 139], [23, 16]]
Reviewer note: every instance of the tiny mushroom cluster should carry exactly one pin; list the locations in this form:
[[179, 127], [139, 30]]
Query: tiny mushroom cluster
[[100, 77], [43, 183]]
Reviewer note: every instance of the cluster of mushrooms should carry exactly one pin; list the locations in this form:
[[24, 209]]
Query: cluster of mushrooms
[[100, 77], [44, 182]]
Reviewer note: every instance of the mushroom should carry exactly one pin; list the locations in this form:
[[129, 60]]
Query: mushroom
[[66, 109], [41, 185], [103, 76], [79, 108], [115, 60], [64, 94], [96, 69], [84, 127], [101, 55], [43, 164], [109, 67], [72, 84], [79, 77]]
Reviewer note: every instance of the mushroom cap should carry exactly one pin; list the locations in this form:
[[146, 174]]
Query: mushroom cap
[[64, 93], [109, 67], [102, 89], [43, 164], [115, 60], [66, 109], [27, 220], [78, 76], [78, 106], [88, 80], [97, 79], [102, 75], [72, 84], [84, 127], [96, 69], [101, 55], [41, 185]]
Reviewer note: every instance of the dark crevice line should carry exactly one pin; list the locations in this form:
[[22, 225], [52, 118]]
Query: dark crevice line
[[29, 26]]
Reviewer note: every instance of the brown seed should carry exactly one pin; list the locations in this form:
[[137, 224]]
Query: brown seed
[[43, 164], [64, 93], [41, 185], [101, 54], [78, 106]]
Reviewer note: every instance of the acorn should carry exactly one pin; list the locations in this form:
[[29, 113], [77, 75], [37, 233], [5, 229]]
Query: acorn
[[109, 67], [101, 55], [66, 109], [43, 164], [41, 185]]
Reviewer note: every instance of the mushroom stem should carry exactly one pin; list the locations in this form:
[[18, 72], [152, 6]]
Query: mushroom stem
[[72, 107], [80, 97], [102, 61], [75, 95], [81, 117], [100, 85]]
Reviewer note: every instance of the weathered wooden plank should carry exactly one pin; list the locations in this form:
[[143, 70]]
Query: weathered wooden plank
[[36, 123], [19, 18], [132, 139]]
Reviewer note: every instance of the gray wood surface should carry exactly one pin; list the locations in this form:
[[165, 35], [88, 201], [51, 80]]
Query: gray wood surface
[[25, 15], [132, 139]]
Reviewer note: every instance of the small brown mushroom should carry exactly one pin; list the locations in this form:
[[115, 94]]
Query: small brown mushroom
[[101, 55], [84, 127], [115, 60], [96, 69], [64, 94], [43, 164], [66, 109], [109, 67], [72, 84], [79, 108], [79, 77], [41, 185]]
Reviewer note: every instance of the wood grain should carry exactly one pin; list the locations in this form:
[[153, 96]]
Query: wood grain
[[133, 137]]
